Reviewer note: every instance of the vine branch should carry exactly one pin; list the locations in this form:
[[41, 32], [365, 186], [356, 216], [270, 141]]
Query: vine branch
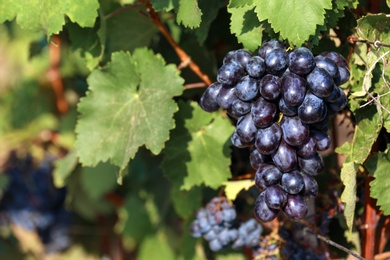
[[183, 56], [353, 40]]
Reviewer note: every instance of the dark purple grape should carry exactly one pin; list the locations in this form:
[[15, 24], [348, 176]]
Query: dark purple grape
[[268, 139], [246, 129], [239, 108], [334, 96], [259, 180], [269, 46], [320, 82], [247, 88], [328, 65], [275, 197], [292, 182], [322, 125], [263, 112], [312, 165], [308, 148], [295, 133], [242, 57], [230, 57], [311, 110], [255, 67], [340, 102], [271, 175], [335, 57], [343, 76], [276, 61], [262, 211], [230, 73], [208, 101], [323, 140], [301, 61], [237, 142], [285, 158], [286, 109], [256, 158], [310, 189], [226, 96], [293, 88], [296, 207], [270, 87]]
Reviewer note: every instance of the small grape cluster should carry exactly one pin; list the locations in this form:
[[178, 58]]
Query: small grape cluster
[[282, 102], [217, 224]]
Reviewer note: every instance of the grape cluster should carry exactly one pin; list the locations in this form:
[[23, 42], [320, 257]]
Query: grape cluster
[[31, 201], [217, 224], [282, 102]]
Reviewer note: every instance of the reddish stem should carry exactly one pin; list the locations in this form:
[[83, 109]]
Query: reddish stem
[[369, 222]]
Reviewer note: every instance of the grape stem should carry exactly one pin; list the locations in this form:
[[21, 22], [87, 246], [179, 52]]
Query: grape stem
[[195, 85], [332, 243], [353, 40]]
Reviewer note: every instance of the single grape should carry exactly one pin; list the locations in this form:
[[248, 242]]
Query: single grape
[[328, 65], [312, 165], [269, 46], [263, 112], [295, 133], [239, 108], [208, 101], [246, 128], [293, 88], [242, 57], [268, 139], [310, 189], [271, 175], [285, 158], [230, 73], [296, 207], [320, 82], [308, 148], [255, 67], [259, 176], [323, 140], [256, 158], [292, 182], [343, 76], [311, 109], [229, 57], [237, 142], [340, 103], [301, 61], [275, 197], [247, 88], [270, 87], [276, 61], [286, 109], [226, 96], [215, 245], [229, 214], [262, 211]]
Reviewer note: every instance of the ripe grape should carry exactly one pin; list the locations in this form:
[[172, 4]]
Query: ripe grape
[[208, 101], [255, 67], [295, 207], [263, 112], [292, 182], [262, 211], [270, 87], [285, 157], [247, 88], [268, 139], [295, 132], [301, 61], [293, 88], [320, 82]]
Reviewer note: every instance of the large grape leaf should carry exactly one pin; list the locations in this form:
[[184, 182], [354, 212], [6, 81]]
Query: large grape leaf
[[48, 15], [296, 20], [246, 26], [374, 27], [348, 177], [378, 166], [189, 13], [129, 104], [198, 151]]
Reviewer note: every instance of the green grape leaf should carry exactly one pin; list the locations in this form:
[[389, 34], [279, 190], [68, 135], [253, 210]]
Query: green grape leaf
[[186, 202], [129, 104], [189, 13], [198, 151], [233, 188], [378, 166], [246, 26], [374, 27], [368, 126], [166, 5], [156, 247], [48, 15], [296, 20], [63, 168], [210, 10], [99, 180], [239, 3], [348, 177]]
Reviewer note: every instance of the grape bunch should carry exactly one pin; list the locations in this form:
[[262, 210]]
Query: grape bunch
[[217, 224], [282, 102]]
